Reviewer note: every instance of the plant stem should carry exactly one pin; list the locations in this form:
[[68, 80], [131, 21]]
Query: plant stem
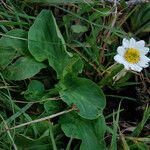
[[42, 119]]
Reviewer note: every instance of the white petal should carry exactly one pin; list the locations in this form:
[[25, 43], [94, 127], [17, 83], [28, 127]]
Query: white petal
[[118, 58], [136, 67], [121, 50], [132, 43], [140, 44], [121, 60], [125, 43], [143, 64], [144, 50], [126, 64], [145, 59]]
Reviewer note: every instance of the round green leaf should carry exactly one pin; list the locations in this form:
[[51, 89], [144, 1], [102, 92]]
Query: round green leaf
[[91, 132], [85, 94]]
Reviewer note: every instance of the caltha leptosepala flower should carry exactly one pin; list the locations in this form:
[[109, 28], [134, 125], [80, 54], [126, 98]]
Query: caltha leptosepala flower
[[132, 55]]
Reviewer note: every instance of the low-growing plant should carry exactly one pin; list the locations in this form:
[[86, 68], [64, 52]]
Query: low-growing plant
[[66, 83]]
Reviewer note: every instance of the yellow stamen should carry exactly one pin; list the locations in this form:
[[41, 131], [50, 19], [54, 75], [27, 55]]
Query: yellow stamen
[[132, 55]]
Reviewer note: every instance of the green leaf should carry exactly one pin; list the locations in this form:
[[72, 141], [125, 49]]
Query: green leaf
[[46, 42], [35, 91], [11, 47], [6, 52], [42, 143], [79, 28], [103, 11], [53, 106], [20, 65], [75, 66], [17, 39], [140, 19], [83, 93], [23, 68], [90, 132]]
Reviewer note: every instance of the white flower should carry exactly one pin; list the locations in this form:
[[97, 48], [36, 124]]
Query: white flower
[[132, 55]]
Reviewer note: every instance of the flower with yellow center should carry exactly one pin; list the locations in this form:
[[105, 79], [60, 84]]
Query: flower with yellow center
[[132, 55]]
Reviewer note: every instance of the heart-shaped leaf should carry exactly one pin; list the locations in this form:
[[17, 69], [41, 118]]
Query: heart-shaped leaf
[[83, 93], [91, 132], [47, 43]]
